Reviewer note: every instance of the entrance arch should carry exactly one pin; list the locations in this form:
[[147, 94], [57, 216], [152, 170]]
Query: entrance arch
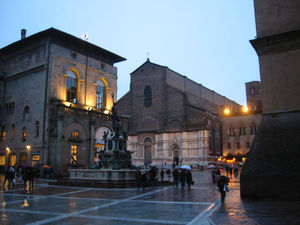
[[147, 151], [175, 150]]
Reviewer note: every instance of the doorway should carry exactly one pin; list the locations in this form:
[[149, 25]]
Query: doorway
[[147, 152]]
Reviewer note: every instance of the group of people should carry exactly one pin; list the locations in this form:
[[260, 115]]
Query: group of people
[[149, 178], [19, 175]]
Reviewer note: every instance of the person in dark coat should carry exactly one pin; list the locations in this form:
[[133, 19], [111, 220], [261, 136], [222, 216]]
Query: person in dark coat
[[138, 177], [29, 176], [182, 178], [189, 179], [11, 177], [176, 176], [223, 186], [162, 174], [6, 176], [144, 179]]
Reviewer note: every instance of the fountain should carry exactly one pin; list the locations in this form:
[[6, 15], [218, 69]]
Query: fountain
[[116, 169]]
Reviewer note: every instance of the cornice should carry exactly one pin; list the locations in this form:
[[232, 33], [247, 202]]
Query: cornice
[[277, 43]]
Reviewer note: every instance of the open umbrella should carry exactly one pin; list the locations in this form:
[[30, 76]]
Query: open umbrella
[[187, 167], [211, 166]]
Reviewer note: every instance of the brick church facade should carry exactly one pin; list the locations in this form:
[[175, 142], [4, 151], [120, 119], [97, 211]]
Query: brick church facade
[[172, 118]]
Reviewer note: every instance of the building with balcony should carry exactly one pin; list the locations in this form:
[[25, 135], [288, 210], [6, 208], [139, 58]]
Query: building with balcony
[[56, 93]]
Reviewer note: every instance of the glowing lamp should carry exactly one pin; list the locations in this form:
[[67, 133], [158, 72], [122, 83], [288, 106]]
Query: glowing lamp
[[106, 111], [226, 111], [28, 147], [69, 104], [7, 149]]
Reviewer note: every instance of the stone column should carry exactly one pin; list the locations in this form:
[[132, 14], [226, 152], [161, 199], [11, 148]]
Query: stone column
[[58, 153], [91, 143]]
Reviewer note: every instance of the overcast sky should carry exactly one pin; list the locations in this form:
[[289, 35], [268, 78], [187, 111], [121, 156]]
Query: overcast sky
[[205, 40]]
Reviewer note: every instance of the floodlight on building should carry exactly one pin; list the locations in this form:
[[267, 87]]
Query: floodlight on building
[[89, 108], [69, 104], [7, 149], [226, 111], [28, 147], [245, 109]]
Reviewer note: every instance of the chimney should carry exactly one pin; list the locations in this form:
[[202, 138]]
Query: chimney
[[23, 34]]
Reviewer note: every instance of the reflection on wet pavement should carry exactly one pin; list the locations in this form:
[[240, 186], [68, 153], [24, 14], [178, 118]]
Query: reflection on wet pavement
[[47, 204]]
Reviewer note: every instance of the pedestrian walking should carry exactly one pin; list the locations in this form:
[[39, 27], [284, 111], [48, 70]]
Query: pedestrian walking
[[162, 174], [11, 177], [138, 177], [6, 176], [168, 174], [236, 171], [144, 179], [189, 179], [175, 176], [20, 171], [223, 186], [182, 178]]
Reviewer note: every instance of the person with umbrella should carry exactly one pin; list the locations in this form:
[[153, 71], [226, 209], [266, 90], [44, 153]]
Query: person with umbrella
[[189, 179], [182, 178], [176, 176], [223, 186]]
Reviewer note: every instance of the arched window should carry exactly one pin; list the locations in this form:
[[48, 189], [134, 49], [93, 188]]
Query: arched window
[[252, 91], [101, 95], [71, 84], [25, 113], [24, 134], [37, 128], [147, 97]]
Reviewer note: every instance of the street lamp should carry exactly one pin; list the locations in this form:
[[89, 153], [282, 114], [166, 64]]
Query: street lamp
[[28, 147], [226, 111]]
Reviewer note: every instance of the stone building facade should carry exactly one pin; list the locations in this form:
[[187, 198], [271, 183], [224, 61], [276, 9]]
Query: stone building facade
[[239, 128], [172, 118], [272, 169], [56, 93]]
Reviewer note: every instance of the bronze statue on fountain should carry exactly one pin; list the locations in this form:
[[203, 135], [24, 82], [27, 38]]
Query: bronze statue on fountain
[[115, 155]]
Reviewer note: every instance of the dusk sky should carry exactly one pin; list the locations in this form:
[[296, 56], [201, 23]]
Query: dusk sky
[[205, 40]]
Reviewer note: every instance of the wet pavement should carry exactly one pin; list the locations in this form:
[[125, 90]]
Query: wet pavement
[[49, 204]]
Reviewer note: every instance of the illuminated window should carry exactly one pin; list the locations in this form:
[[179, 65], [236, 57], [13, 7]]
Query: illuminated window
[[13, 132], [12, 159], [71, 84], [147, 97], [101, 95], [37, 128], [75, 135], [24, 134], [3, 136], [2, 160], [23, 158], [74, 154]]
